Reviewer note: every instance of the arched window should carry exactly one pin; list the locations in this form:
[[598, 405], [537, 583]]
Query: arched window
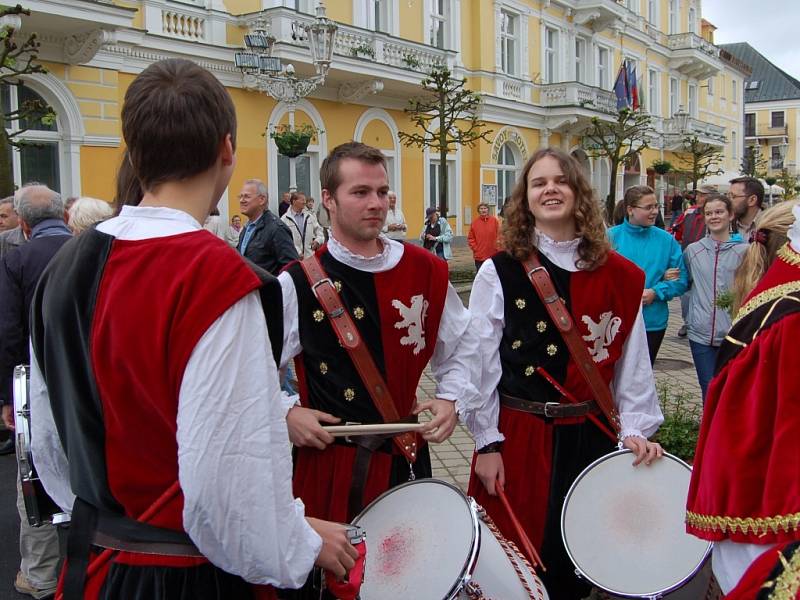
[[39, 159], [506, 174]]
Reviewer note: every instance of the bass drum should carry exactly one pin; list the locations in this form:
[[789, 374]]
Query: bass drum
[[39, 507], [623, 527]]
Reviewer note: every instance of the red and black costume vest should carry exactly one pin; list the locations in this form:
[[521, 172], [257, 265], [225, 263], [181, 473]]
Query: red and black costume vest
[[114, 323], [397, 313]]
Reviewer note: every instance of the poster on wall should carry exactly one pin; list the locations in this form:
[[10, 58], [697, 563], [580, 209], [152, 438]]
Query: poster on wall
[[489, 193]]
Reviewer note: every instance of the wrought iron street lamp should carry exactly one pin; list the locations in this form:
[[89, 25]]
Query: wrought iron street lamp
[[267, 74]]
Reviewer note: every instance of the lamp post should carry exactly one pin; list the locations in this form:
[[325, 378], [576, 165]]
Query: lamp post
[[267, 74]]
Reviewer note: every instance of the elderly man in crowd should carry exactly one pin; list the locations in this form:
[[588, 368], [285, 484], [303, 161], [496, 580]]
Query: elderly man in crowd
[[13, 236], [395, 227], [264, 240], [41, 214], [8, 216], [86, 211]]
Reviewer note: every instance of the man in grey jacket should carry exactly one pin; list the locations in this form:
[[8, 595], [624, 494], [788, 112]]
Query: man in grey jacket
[[264, 240]]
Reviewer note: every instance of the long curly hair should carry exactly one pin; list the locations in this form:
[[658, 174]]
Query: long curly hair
[[769, 235], [519, 223]]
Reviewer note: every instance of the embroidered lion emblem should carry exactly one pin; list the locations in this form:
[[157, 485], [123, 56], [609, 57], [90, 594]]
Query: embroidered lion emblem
[[412, 317], [601, 334]]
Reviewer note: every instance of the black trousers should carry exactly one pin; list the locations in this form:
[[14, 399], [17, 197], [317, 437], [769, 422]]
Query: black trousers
[[654, 339]]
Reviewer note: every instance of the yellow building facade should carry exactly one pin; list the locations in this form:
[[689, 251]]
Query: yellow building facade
[[544, 68]]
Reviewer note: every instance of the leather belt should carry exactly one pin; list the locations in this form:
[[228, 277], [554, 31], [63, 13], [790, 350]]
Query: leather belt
[[160, 548], [550, 410]]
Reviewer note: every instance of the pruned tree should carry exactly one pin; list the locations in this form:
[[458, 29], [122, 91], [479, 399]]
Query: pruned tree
[[754, 164], [446, 114], [619, 141], [18, 55], [789, 183], [699, 159]]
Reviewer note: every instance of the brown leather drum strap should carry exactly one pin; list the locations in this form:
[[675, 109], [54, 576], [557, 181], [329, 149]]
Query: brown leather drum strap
[[558, 312], [351, 340]]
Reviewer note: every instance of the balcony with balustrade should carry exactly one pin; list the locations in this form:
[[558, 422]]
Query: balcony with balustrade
[[708, 133], [764, 132], [575, 95], [361, 56], [694, 56]]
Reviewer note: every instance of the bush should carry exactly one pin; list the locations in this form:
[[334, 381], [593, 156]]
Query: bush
[[678, 434]]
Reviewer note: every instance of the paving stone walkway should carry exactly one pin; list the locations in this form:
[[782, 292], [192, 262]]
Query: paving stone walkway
[[674, 367]]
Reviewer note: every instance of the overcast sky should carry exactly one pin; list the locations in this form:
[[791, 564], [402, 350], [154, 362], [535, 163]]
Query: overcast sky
[[771, 26]]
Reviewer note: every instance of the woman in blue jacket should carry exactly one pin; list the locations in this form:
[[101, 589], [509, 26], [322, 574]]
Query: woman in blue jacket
[[655, 252]]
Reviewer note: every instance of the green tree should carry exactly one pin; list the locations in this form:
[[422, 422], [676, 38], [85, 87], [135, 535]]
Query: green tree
[[789, 183], [18, 55], [619, 141], [754, 164], [699, 159], [446, 114]]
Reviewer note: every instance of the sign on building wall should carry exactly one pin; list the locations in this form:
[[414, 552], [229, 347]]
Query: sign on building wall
[[489, 194]]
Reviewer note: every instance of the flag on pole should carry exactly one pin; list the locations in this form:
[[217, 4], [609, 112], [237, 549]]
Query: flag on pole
[[633, 87], [621, 88]]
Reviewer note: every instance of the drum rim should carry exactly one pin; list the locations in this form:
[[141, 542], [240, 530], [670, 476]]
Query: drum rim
[[655, 593], [472, 559]]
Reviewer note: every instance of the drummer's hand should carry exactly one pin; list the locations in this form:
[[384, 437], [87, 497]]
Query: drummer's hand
[[489, 468], [337, 554], [643, 449], [8, 416], [444, 419], [305, 429]]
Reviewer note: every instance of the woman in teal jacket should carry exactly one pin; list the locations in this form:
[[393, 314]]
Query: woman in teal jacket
[[655, 252]]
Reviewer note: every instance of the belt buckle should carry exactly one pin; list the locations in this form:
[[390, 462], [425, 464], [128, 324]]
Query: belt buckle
[[547, 405], [347, 437]]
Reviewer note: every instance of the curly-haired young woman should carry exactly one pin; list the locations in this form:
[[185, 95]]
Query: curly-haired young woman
[[553, 213]]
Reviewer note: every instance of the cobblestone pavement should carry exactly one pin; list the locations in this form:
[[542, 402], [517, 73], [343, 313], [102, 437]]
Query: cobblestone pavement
[[674, 367]]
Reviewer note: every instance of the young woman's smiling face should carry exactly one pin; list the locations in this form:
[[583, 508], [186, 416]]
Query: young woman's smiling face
[[550, 196]]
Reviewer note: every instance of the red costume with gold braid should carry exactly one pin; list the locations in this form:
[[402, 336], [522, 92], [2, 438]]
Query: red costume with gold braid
[[746, 479], [775, 575]]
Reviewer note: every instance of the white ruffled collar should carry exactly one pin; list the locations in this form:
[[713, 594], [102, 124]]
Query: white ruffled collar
[[387, 259], [562, 254]]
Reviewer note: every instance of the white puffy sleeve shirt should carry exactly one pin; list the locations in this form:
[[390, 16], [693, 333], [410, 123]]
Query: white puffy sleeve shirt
[[234, 462], [633, 385]]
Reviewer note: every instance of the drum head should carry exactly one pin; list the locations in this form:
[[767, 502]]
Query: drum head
[[623, 527], [422, 540]]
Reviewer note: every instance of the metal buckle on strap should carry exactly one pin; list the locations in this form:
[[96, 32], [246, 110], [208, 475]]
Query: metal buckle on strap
[[553, 297], [319, 283], [547, 406]]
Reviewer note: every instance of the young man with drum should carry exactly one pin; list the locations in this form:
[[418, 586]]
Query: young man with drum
[[396, 299], [745, 489], [154, 418], [538, 399]]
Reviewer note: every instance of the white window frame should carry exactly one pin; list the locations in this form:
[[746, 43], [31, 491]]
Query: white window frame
[[438, 19], [581, 60], [772, 115], [672, 18], [674, 96], [510, 43], [734, 91], [303, 6], [504, 169], [710, 85], [734, 146], [632, 5], [755, 124], [364, 15], [692, 20], [449, 22], [692, 100], [550, 55], [653, 92], [652, 12], [603, 71]]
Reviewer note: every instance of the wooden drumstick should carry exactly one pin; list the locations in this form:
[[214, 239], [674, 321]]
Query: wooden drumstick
[[372, 429], [526, 542]]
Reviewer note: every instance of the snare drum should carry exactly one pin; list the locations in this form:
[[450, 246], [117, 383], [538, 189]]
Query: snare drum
[[423, 541], [39, 507], [623, 526]]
